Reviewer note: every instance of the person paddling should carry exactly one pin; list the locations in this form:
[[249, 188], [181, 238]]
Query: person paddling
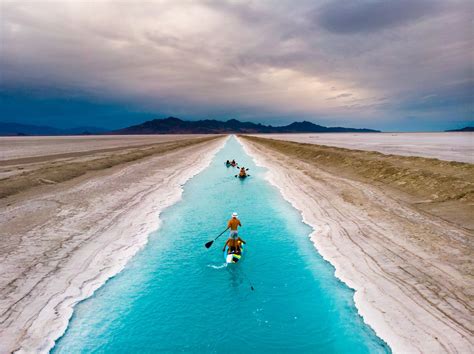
[[242, 172], [233, 225], [234, 245]]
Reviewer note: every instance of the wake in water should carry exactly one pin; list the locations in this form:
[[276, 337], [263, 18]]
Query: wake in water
[[224, 265]]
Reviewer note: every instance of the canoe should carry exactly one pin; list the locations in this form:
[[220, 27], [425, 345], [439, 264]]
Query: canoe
[[232, 257]]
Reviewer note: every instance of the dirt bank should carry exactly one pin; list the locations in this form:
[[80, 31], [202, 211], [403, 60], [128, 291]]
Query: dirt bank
[[444, 188]]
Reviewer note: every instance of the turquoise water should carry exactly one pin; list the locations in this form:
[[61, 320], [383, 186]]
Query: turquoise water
[[177, 296]]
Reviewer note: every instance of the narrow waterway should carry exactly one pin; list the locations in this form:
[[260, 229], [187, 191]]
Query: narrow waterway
[[177, 296]]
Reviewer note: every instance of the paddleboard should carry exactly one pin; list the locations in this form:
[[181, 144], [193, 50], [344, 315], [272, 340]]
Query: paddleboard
[[233, 258]]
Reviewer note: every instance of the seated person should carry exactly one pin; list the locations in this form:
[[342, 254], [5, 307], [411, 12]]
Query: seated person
[[234, 245]]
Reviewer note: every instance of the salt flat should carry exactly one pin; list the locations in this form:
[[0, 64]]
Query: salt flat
[[455, 146], [32, 146]]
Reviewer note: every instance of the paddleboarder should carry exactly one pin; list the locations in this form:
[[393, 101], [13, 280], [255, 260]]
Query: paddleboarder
[[234, 245], [233, 224]]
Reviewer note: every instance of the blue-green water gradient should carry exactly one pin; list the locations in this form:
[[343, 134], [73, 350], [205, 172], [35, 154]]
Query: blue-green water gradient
[[177, 296]]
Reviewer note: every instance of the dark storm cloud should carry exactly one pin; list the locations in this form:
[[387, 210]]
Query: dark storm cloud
[[246, 59], [368, 16]]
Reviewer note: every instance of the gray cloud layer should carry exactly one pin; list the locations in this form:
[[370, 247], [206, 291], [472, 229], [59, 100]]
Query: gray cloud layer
[[338, 60], [362, 16]]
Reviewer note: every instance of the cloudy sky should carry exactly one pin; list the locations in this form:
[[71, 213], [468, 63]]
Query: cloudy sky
[[391, 65]]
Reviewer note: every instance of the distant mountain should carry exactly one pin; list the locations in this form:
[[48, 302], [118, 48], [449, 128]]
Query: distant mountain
[[465, 129], [16, 129], [174, 125], [308, 127]]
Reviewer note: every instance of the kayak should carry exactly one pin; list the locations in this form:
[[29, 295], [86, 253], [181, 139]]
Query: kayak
[[242, 176], [232, 257]]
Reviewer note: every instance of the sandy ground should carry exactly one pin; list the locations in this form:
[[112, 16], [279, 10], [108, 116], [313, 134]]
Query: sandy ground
[[457, 146], [22, 147], [20, 174], [412, 270], [61, 241]]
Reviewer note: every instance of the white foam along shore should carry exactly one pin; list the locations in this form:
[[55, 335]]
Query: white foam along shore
[[37, 311], [408, 318]]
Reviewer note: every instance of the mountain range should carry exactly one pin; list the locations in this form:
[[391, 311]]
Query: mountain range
[[465, 129], [172, 125]]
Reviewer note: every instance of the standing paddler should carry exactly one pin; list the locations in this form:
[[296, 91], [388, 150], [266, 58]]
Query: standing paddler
[[234, 240], [233, 224]]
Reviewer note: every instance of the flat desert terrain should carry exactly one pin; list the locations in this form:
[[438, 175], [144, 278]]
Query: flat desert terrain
[[453, 146], [31, 146]]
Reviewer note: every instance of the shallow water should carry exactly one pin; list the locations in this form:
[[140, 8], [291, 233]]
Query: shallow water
[[178, 296]]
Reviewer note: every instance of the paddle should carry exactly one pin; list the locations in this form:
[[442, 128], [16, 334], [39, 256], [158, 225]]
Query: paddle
[[209, 244], [250, 283]]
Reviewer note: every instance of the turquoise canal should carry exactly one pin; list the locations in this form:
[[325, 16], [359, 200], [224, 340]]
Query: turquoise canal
[[177, 296]]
